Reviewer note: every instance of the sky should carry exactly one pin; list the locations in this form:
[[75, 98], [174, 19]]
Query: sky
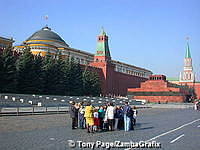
[[146, 33]]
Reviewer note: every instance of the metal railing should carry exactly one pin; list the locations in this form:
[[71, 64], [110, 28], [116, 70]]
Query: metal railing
[[32, 110]]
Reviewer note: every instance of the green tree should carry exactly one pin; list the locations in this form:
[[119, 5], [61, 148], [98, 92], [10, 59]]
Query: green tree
[[25, 72], [49, 75], [91, 83], [60, 76], [66, 77], [75, 78], [7, 71], [38, 74]]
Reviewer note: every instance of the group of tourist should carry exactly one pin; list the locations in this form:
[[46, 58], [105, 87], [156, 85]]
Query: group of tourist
[[104, 118]]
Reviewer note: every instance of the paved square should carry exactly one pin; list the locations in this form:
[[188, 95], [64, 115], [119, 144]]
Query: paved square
[[175, 129]]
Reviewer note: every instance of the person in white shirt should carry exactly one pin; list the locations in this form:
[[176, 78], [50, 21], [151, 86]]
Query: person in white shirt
[[135, 112], [195, 105], [110, 115]]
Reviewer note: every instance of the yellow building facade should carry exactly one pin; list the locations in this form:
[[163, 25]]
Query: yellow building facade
[[5, 42]]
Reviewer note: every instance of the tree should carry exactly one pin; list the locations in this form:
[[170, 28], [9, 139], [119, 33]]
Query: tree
[[66, 77], [7, 71], [60, 76], [91, 83], [95, 84], [30, 73], [75, 79], [25, 72], [37, 75], [49, 73]]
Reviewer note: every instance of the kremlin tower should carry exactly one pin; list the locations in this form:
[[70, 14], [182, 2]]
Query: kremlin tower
[[187, 75], [102, 59], [102, 52]]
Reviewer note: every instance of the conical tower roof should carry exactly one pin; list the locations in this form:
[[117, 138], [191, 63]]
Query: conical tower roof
[[102, 31], [187, 54]]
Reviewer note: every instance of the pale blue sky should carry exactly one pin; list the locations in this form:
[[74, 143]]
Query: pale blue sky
[[146, 33]]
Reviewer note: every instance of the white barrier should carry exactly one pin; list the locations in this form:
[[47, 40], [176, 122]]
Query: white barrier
[[21, 100], [39, 104], [143, 101]]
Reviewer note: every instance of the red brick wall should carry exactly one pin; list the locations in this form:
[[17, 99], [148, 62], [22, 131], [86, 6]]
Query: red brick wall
[[162, 99], [197, 90], [196, 87], [155, 86], [124, 81], [160, 86], [116, 83]]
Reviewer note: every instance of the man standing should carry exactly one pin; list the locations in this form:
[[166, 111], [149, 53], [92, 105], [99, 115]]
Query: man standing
[[74, 115], [81, 116], [127, 110], [118, 114]]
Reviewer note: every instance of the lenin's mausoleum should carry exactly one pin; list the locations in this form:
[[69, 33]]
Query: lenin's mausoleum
[[118, 78]]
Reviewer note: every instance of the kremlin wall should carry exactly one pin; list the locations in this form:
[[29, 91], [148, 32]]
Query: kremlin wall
[[118, 78]]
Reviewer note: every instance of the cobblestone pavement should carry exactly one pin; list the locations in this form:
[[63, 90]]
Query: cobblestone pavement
[[52, 132]]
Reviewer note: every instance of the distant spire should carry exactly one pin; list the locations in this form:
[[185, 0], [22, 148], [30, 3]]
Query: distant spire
[[102, 31], [187, 54], [46, 17]]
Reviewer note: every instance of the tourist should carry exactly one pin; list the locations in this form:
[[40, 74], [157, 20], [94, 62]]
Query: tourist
[[121, 119], [127, 110], [105, 119], [89, 117], [74, 115], [101, 117], [117, 116], [81, 116], [197, 105], [110, 116], [96, 120], [135, 112]]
